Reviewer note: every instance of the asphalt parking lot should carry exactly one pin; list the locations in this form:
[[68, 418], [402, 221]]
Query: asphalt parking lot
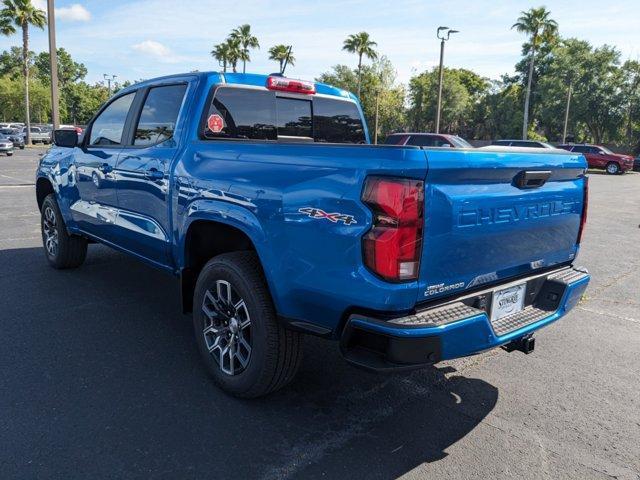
[[99, 378]]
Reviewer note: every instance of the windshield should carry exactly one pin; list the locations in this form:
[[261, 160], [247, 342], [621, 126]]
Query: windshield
[[460, 142]]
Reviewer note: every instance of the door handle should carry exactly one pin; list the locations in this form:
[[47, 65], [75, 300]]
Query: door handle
[[154, 174], [532, 179]]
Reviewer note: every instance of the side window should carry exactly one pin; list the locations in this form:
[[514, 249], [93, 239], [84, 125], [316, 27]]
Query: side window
[[594, 150], [337, 121], [581, 149], [421, 141], [241, 113], [293, 117], [159, 115], [107, 129], [441, 142]]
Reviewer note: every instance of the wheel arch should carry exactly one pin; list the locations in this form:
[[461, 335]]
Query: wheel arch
[[210, 231], [44, 187]]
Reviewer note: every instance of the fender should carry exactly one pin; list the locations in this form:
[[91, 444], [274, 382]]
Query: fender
[[233, 215], [55, 167]]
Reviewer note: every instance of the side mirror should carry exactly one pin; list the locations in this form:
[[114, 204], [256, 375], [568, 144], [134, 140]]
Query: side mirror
[[65, 138]]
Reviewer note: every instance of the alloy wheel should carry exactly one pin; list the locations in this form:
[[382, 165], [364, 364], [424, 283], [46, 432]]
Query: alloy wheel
[[50, 229], [227, 328]]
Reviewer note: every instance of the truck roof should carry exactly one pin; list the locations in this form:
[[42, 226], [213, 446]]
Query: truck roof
[[250, 79]]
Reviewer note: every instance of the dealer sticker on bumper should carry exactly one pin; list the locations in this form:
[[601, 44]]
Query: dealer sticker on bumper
[[507, 301]]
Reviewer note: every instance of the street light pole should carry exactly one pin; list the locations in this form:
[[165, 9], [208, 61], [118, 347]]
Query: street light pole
[[109, 78], [53, 59], [446, 33], [566, 112], [375, 131]]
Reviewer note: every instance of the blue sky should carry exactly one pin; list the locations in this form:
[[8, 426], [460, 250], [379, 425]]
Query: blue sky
[[136, 39]]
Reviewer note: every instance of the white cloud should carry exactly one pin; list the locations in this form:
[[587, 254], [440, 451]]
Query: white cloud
[[155, 49], [40, 4], [73, 13]]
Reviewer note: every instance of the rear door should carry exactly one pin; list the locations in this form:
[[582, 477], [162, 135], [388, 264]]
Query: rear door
[[483, 225], [143, 170], [591, 154]]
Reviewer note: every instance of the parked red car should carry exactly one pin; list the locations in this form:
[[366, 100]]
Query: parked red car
[[601, 157]]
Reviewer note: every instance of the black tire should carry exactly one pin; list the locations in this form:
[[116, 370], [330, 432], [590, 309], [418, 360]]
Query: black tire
[[21, 147], [70, 250], [275, 353], [612, 168], [9, 154]]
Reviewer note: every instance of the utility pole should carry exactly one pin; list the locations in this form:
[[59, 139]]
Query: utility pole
[[446, 33], [53, 59], [375, 131], [566, 112], [109, 78]]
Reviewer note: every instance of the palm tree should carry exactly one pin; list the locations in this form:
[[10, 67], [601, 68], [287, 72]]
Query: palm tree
[[536, 23], [247, 41], [362, 45], [221, 52], [282, 54], [235, 53], [21, 14]]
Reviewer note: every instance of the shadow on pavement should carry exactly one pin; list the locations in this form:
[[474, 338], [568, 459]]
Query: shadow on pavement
[[100, 378]]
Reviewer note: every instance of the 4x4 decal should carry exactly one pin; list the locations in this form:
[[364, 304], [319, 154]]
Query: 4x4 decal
[[332, 217]]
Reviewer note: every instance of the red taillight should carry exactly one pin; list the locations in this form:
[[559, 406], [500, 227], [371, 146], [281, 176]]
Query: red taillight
[[393, 245], [288, 85], [585, 205]]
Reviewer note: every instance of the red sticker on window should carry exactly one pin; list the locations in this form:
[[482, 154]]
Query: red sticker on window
[[215, 123]]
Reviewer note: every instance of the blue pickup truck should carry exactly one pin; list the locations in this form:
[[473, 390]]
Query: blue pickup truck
[[264, 196]]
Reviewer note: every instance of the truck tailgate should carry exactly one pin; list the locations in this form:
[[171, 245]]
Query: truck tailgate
[[484, 225]]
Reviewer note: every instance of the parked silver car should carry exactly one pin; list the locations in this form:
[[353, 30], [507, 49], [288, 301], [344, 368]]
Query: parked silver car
[[6, 145], [38, 135]]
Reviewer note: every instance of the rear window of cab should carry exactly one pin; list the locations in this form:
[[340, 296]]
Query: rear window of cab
[[256, 114]]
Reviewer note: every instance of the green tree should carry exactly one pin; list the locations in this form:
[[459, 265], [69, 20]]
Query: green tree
[[12, 99], [246, 40], [362, 45], [558, 86], [11, 62], [378, 81], [221, 52], [82, 101], [601, 92], [462, 91], [282, 54], [499, 112], [236, 53], [538, 24], [631, 91], [69, 71], [22, 14]]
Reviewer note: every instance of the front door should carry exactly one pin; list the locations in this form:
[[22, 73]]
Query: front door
[[143, 173], [95, 209]]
